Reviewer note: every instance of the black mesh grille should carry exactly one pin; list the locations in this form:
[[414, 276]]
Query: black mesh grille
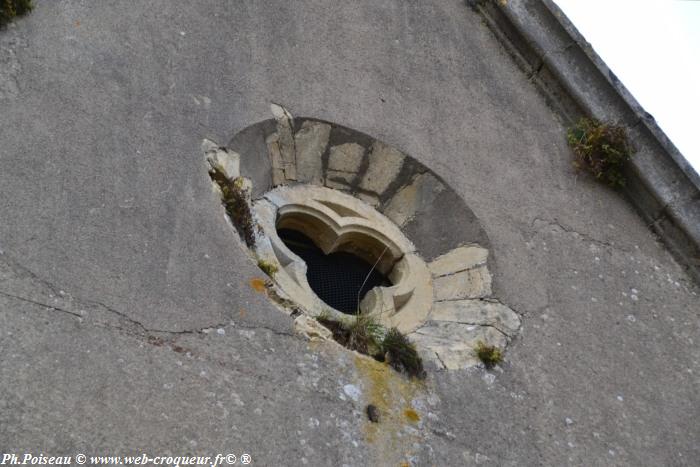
[[335, 278]]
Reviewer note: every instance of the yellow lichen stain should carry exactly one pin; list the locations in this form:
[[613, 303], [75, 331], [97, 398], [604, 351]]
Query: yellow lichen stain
[[375, 375], [390, 393], [258, 284], [411, 415]]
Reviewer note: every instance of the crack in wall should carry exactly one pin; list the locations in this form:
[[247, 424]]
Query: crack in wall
[[43, 305], [24, 272], [505, 334], [582, 236], [437, 355], [144, 332]]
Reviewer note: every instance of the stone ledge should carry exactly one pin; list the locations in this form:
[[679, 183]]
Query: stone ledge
[[576, 82]]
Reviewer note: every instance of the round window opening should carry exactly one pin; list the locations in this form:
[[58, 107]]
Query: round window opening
[[335, 255], [340, 279], [343, 224]]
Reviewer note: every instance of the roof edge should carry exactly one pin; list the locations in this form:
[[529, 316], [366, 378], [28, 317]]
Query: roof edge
[[576, 82]]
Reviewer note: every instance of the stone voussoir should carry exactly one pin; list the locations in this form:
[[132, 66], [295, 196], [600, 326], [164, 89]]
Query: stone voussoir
[[343, 164], [385, 163], [479, 312], [276, 161], [285, 141], [472, 283], [458, 259], [403, 205], [311, 141]]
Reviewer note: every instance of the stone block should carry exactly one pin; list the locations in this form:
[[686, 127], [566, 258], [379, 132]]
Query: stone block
[[222, 159], [403, 205], [311, 329], [480, 312], [459, 259], [372, 200], [276, 161], [384, 165], [285, 140], [454, 344], [343, 164], [311, 141], [472, 283]]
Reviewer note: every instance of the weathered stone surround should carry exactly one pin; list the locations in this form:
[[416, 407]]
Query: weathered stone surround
[[346, 190]]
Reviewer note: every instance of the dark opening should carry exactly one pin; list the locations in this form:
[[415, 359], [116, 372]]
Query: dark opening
[[335, 278]]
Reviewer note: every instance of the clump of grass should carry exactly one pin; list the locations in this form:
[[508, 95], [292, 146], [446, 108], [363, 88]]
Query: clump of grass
[[601, 149], [365, 335], [268, 268], [490, 355], [362, 333], [401, 354], [11, 8], [325, 315], [235, 202]]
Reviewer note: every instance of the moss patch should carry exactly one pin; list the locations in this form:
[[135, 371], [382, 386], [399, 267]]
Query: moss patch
[[11, 8], [601, 149], [490, 355], [268, 268], [235, 201]]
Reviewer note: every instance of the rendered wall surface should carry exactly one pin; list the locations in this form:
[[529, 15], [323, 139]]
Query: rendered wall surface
[[128, 320]]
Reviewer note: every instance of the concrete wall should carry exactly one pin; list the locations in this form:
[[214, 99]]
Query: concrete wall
[[576, 82], [128, 322]]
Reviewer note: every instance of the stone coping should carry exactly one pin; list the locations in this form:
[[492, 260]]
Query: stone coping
[[576, 82]]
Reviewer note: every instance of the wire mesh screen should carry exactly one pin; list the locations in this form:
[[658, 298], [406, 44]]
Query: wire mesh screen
[[335, 278]]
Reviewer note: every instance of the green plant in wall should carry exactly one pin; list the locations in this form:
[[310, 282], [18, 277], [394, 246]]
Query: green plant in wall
[[235, 202], [401, 354], [365, 335], [601, 149], [268, 267], [490, 355], [361, 333], [11, 8]]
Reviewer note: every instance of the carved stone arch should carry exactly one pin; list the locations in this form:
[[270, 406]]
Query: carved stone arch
[[350, 192]]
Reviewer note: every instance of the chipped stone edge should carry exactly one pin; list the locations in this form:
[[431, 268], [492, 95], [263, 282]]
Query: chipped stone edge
[[448, 351]]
